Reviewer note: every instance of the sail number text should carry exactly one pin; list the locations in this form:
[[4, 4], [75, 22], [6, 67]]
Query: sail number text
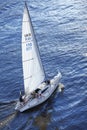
[[28, 41], [28, 46]]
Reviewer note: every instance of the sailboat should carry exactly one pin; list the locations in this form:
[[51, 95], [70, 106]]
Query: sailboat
[[36, 88]]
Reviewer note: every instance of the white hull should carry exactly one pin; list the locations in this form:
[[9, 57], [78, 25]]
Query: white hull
[[44, 96]]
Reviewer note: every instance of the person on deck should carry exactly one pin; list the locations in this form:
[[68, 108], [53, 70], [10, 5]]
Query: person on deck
[[21, 99], [36, 93], [47, 82]]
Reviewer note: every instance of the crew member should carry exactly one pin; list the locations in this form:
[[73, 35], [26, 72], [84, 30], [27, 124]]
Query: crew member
[[21, 97]]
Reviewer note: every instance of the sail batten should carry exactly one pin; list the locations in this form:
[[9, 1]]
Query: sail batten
[[25, 21], [28, 60], [24, 42], [28, 77], [31, 61]]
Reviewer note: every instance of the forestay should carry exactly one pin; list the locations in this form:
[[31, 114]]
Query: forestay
[[32, 67]]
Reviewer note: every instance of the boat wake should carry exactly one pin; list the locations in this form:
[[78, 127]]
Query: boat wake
[[61, 87], [85, 54], [5, 122], [7, 113], [7, 102]]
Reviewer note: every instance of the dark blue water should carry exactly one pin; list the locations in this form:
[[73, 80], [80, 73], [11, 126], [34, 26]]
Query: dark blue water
[[61, 31]]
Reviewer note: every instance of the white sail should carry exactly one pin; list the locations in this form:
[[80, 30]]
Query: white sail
[[32, 67]]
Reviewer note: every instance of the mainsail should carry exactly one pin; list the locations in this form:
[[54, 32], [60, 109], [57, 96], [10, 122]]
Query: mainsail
[[32, 67]]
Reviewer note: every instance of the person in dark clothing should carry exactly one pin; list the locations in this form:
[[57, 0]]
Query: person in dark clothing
[[21, 97], [37, 90], [47, 82], [36, 93]]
